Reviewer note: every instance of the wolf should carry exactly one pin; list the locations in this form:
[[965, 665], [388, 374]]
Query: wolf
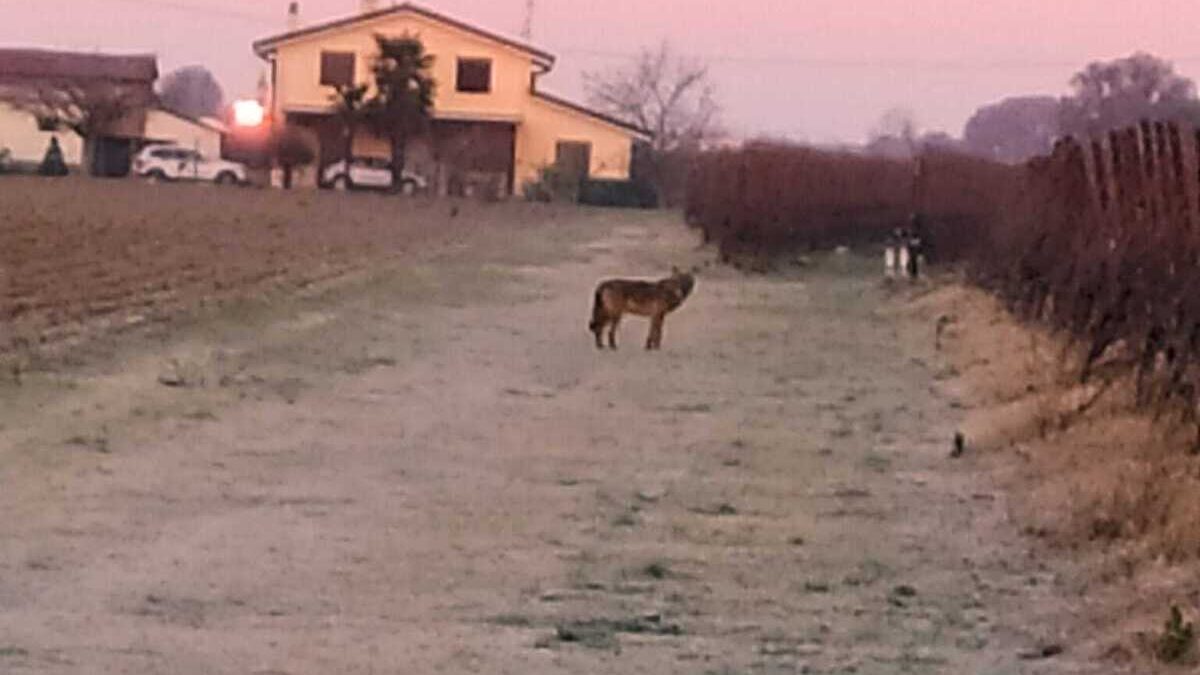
[[653, 299]]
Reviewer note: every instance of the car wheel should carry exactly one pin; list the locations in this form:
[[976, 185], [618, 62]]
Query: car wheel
[[156, 176], [408, 186], [226, 178], [341, 183]]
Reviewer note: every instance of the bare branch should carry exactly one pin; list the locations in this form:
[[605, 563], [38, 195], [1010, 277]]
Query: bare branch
[[670, 96], [86, 107]]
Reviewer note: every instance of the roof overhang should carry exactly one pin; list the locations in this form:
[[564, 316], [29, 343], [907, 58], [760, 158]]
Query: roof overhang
[[631, 129], [207, 123]]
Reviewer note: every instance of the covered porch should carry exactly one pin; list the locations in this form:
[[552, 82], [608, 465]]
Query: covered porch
[[456, 156]]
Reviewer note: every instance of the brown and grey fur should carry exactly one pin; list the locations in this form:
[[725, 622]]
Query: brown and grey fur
[[653, 299]]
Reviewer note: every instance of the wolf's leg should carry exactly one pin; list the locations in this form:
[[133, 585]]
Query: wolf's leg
[[612, 332], [654, 340]]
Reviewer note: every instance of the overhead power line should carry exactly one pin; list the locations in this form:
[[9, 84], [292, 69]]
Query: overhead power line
[[181, 6], [875, 63], [883, 64]]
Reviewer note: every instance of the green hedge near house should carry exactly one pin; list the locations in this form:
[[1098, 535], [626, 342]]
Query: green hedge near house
[[618, 193]]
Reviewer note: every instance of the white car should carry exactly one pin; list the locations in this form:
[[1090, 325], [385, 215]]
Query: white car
[[173, 162], [369, 173]]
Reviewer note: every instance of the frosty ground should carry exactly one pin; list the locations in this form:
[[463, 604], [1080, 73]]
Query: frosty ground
[[422, 465]]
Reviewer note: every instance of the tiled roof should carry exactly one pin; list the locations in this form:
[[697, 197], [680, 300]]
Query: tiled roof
[[40, 64]]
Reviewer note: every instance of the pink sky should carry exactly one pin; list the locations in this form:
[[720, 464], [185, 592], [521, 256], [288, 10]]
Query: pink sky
[[815, 70]]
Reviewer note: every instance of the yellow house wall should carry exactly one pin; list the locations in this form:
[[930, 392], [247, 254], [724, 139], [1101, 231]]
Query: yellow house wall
[[20, 134], [163, 126], [298, 66], [541, 124], [544, 125], [547, 123]]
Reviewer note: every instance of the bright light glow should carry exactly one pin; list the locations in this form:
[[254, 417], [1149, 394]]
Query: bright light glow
[[248, 113]]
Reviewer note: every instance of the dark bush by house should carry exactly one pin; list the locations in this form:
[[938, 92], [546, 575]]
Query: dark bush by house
[[618, 193]]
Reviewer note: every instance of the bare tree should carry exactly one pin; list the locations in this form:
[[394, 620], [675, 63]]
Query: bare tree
[[895, 135], [668, 95], [86, 107], [90, 108]]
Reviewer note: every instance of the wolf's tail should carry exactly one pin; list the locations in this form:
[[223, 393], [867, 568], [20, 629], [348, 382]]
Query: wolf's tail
[[597, 311]]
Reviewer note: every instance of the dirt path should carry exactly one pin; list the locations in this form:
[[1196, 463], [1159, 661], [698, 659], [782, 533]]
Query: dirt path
[[433, 472]]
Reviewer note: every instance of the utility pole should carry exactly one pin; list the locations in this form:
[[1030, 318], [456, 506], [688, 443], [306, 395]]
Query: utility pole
[[527, 29]]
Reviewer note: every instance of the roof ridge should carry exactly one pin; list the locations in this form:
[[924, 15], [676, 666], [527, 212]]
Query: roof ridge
[[263, 45]]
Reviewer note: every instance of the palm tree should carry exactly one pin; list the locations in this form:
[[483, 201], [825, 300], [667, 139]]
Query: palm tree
[[403, 100], [350, 104]]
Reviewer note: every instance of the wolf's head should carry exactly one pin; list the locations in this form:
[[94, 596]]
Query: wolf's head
[[681, 284]]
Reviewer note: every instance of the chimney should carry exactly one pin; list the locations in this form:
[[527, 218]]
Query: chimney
[[368, 6], [293, 17]]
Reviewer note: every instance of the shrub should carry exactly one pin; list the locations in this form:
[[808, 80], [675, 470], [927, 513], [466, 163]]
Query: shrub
[[292, 147], [773, 197], [1176, 642], [552, 185], [53, 163], [618, 193]]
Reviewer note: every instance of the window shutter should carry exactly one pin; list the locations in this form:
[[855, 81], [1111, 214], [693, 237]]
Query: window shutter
[[337, 69], [475, 76]]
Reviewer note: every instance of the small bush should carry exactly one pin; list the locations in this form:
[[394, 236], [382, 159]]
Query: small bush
[[552, 185], [53, 163], [292, 147], [1176, 642], [617, 193]]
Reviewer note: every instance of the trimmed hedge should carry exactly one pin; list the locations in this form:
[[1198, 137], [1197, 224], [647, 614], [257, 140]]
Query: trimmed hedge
[[767, 198], [618, 193]]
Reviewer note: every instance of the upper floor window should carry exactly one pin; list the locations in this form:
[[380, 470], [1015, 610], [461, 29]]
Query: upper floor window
[[46, 123], [475, 75], [337, 69]]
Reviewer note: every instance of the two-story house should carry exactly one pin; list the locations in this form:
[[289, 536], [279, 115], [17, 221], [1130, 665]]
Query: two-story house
[[488, 116]]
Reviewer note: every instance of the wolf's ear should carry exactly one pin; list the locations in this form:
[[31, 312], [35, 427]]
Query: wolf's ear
[[695, 269], [675, 270]]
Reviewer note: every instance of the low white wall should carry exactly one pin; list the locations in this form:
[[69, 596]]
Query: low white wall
[[163, 126]]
